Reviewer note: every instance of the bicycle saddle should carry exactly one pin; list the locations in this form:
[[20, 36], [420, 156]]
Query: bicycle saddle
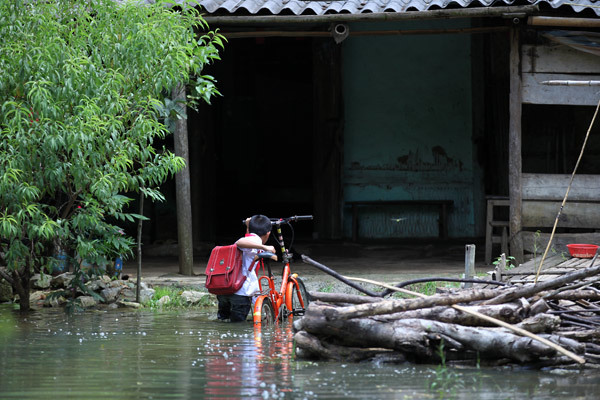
[[267, 254]]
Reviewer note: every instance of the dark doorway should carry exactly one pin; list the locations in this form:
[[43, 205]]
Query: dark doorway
[[553, 137], [259, 135]]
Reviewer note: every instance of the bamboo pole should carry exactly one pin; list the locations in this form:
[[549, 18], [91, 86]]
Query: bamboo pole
[[559, 82], [563, 21], [495, 321]]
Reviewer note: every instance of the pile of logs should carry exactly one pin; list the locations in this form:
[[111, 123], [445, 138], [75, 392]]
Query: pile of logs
[[553, 322]]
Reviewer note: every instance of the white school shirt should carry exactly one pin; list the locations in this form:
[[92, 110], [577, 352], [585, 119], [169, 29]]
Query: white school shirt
[[250, 286]]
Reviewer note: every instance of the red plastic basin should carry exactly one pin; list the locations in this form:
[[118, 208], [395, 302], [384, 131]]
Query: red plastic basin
[[582, 250]]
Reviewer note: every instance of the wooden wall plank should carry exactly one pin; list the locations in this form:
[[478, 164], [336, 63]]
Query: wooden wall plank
[[558, 59], [536, 244], [554, 187], [536, 93], [574, 215]]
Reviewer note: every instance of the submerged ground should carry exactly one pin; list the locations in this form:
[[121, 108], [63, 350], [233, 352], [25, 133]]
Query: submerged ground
[[185, 354]]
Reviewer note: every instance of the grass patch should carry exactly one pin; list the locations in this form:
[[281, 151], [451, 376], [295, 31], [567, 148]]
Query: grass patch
[[426, 288], [326, 289], [446, 381], [174, 300]]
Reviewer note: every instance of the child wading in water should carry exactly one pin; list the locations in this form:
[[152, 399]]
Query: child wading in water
[[235, 307]]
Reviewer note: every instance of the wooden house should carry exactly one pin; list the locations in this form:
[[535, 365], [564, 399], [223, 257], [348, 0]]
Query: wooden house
[[396, 119]]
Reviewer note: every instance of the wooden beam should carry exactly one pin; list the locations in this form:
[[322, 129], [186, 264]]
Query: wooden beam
[[574, 214], [514, 148], [404, 32], [475, 12], [558, 59]]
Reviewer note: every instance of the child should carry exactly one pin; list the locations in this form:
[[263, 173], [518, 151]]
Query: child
[[235, 307]]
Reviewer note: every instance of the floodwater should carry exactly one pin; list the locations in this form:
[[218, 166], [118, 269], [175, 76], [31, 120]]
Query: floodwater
[[186, 355]]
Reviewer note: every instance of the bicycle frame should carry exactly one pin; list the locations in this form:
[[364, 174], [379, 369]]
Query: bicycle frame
[[281, 301]]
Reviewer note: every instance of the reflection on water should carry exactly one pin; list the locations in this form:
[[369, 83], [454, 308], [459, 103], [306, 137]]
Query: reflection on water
[[150, 355]]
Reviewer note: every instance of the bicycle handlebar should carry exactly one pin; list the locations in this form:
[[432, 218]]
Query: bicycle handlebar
[[295, 218]]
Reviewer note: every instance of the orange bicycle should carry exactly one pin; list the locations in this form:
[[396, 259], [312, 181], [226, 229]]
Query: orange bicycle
[[292, 298]]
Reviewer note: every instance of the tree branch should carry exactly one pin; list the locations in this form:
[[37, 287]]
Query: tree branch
[[4, 274]]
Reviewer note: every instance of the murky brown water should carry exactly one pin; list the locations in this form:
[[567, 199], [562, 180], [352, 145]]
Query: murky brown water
[[163, 355]]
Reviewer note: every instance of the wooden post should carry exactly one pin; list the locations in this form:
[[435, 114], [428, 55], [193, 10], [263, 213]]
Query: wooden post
[[504, 241], [354, 222], [489, 230], [139, 251], [328, 136], [514, 149], [469, 264], [500, 267], [182, 188]]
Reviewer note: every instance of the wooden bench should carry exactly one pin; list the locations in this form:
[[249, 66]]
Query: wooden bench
[[442, 205]]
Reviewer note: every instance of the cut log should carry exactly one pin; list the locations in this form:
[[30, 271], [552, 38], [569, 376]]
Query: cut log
[[558, 348], [511, 313], [423, 337], [592, 348], [593, 358], [570, 344], [364, 328], [540, 323], [589, 335], [539, 307], [392, 306], [585, 294], [312, 348], [366, 333]]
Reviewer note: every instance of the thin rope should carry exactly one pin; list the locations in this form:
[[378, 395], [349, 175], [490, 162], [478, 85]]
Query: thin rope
[[537, 274]]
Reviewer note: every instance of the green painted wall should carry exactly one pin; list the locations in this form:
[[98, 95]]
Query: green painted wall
[[408, 129]]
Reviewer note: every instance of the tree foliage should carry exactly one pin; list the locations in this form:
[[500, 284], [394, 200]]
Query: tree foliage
[[84, 88]]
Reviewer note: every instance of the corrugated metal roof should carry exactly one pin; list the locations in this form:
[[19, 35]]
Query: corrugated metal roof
[[312, 7]]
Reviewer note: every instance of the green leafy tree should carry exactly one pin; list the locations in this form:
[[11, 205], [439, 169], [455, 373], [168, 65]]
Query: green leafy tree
[[84, 88]]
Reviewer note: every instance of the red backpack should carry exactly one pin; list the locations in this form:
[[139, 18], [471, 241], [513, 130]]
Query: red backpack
[[224, 273]]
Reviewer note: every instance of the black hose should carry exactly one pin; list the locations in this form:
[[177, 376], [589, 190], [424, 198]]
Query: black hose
[[440, 279], [339, 277], [384, 293]]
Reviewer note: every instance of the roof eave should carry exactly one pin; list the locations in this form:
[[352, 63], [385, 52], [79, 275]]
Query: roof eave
[[475, 12]]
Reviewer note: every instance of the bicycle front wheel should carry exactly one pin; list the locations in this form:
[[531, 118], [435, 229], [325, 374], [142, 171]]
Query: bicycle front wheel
[[297, 297], [264, 313]]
